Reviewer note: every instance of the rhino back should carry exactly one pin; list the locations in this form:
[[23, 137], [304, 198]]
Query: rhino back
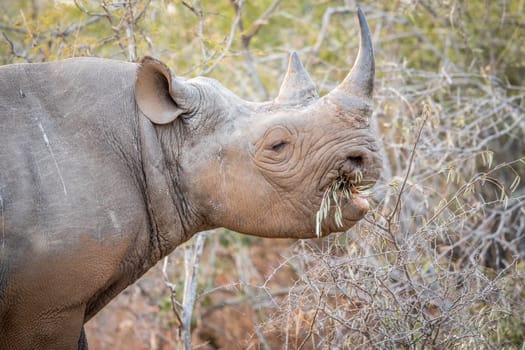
[[70, 179]]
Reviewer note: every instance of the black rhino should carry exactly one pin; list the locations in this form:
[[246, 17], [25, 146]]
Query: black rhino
[[107, 166]]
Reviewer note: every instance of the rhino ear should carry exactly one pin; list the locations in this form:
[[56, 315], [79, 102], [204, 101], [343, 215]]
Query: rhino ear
[[161, 97]]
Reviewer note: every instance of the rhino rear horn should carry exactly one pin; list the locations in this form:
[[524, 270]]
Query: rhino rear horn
[[360, 81], [297, 86], [160, 96]]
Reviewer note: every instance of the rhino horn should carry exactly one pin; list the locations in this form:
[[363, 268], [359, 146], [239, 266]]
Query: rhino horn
[[360, 81], [297, 86]]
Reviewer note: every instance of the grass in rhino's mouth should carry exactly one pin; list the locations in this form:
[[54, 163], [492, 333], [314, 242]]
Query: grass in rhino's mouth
[[341, 188]]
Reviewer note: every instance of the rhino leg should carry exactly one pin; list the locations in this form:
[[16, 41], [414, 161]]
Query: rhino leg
[[26, 328], [82, 342]]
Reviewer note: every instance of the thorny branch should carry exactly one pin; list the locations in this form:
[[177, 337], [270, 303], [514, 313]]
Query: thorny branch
[[197, 11], [175, 305], [314, 319], [192, 258], [426, 114], [130, 32], [76, 27], [247, 36], [331, 11], [13, 50], [228, 45]]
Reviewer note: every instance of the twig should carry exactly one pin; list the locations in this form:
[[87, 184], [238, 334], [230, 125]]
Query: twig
[[88, 12], [13, 29], [13, 50], [75, 27], [312, 323], [426, 113], [192, 258], [247, 36], [229, 42], [327, 17], [200, 29], [173, 292], [130, 32]]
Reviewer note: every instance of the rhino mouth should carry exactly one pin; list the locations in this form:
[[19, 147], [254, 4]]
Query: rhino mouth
[[346, 188], [345, 198], [350, 178]]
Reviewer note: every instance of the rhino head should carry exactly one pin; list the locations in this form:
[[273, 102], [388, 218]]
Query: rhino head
[[263, 168]]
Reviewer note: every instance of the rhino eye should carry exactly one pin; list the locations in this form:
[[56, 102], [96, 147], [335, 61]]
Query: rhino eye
[[279, 146]]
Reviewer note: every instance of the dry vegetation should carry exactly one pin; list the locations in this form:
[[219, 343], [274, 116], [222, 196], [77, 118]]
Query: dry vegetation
[[437, 264]]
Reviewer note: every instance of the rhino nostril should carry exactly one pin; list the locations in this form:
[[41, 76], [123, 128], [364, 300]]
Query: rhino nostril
[[353, 168], [355, 162]]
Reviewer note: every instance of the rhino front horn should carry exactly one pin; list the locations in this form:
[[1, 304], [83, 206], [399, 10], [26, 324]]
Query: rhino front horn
[[360, 80], [297, 87]]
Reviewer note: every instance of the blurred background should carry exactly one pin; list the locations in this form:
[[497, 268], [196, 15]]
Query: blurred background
[[437, 263]]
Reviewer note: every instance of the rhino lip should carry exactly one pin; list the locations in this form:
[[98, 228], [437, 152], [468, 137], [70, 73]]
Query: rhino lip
[[344, 186], [346, 200], [348, 185], [346, 179]]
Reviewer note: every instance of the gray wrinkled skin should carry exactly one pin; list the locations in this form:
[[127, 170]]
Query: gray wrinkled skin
[[107, 166]]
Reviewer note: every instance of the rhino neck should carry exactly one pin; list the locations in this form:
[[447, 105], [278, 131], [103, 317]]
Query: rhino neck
[[171, 217]]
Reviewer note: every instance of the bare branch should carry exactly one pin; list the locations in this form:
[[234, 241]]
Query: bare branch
[[426, 115], [247, 36], [312, 323], [229, 41], [327, 17], [14, 52], [192, 258], [197, 11], [130, 31]]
